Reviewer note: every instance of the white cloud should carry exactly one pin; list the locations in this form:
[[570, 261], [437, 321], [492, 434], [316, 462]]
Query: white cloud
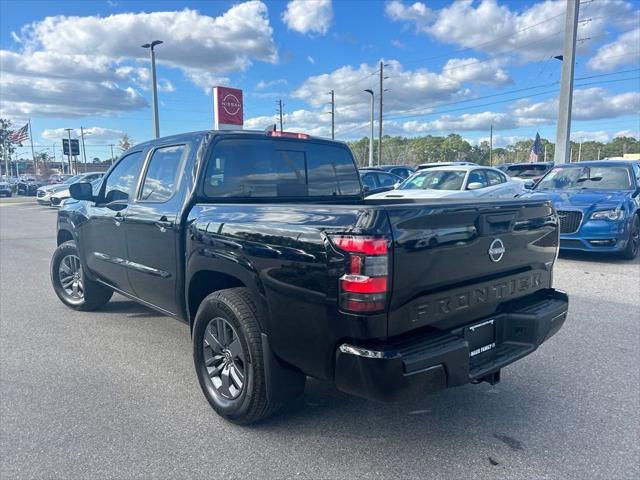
[[262, 84], [588, 104], [94, 68], [625, 50], [464, 122], [308, 16], [311, 60], [533, 33], [587, 136], [628, 133], [92, 135], [398, 44], [474, 70]]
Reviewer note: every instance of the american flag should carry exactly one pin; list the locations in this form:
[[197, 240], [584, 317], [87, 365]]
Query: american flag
[[536, 149], [19, 136]]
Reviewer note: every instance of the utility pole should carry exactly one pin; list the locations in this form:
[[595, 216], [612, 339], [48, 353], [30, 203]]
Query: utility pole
[[380, 115], [6, 161], [580, 150], [280, 112], [154, 89], [84, 152], [111, 145], [491, 146], [33, 153], [369, 91], [598, 153], [333, 116], [69, 151], [545, 152], [563, 131]]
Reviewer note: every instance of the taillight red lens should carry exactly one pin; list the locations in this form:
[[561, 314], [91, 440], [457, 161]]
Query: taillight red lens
[[364, 286], [366, 245]]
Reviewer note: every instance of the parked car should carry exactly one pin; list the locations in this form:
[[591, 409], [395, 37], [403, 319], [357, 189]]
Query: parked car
[[424, 166], [263, 243], [457, 182], [526, 171], [57, 178], [375, 180], [402, 171], [43, 194], [57, 195], [598, 203], [5, 189], [28, 186]]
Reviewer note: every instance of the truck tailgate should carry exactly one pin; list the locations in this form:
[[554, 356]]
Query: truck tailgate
[[454, 262]]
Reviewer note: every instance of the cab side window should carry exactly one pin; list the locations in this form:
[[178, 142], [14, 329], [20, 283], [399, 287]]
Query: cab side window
[[121, 182], [161, 177]]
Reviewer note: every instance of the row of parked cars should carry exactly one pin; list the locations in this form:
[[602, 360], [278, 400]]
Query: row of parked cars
[[598, 202], [55, 193]]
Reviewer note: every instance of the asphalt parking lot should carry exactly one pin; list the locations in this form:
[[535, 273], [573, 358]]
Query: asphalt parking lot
[[112, 394]]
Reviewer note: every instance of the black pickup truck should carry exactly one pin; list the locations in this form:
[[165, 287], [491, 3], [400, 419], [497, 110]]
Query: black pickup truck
[[264, 244]]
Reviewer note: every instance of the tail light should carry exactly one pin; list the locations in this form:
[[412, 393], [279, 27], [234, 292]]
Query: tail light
[[364, 286]]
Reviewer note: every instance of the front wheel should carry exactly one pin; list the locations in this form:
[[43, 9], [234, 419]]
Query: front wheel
[[71, 284], [228, 356], [633, 242]]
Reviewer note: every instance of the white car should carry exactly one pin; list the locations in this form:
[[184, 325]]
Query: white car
[[56, 198], [461, 181], [43, 194]]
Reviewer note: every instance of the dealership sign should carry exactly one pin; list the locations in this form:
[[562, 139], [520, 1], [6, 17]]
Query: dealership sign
[[227, 108]]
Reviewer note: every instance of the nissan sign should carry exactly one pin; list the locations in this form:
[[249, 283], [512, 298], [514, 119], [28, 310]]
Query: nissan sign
[[227, 108]]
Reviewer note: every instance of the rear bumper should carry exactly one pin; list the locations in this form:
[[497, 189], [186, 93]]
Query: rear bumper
[[436, 361]]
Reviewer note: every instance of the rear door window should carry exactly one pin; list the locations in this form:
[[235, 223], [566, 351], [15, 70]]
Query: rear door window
[[386, 180], [494, 178], [279, 168], [162, 173], [477, 176]]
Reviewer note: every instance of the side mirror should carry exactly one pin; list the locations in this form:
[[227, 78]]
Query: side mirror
[[366, 188], [529, 184], [474, 186], [81, 191]]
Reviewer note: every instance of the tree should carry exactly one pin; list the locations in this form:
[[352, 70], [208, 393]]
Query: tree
[[125, 142], [5, 131]]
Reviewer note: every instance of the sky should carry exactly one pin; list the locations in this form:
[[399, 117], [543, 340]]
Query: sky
[[449, 67]]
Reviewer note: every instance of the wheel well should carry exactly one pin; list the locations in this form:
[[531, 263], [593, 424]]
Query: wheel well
[[204, 283], [64, 236]]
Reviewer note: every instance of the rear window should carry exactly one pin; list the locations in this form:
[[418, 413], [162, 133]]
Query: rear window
[[240, 167]]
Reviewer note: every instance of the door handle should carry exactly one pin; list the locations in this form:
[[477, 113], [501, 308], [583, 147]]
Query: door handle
[[117, 219], [164, 224]]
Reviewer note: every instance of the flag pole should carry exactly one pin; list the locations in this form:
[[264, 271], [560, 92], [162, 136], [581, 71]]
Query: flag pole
[[6, 161], [33, 153]]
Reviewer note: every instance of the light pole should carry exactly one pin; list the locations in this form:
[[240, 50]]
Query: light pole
[[371, 136], [154, 91]]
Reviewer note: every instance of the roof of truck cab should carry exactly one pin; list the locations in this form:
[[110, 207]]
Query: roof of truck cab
[[181, 137]]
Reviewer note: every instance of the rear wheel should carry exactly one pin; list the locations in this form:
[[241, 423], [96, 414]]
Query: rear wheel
[[228, 356], [71, 284], [633, 242]]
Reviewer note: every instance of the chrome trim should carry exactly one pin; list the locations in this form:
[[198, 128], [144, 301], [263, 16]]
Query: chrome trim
[[132, 265], [366, 353]]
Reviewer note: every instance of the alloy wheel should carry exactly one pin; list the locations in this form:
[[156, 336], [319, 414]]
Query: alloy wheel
[[70, 276], [224, 358]]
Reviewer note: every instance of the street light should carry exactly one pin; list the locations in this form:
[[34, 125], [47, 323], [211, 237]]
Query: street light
[[371, 137], [154, 92]]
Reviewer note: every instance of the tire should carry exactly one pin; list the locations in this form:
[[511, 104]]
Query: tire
[[633, 242], [77, 291], [232, 308]]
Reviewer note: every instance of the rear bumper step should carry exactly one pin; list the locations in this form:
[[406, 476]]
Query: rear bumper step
[[433, 362]]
